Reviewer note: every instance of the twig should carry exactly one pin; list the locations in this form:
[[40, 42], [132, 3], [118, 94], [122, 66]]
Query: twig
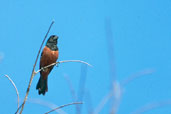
[[88, 103], [73, 93], [14, 87], [65, 61], [75, 61], [43, 103], [63, 106], [136, 75], [102, 103], [110, 49], [74, 96], [19, 108], [81, 86], [109, 39], [33, 71], [117, 93], [151, 106], [46, 104]]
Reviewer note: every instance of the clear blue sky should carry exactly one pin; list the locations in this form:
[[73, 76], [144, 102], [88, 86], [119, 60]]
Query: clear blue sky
[[141, 33]]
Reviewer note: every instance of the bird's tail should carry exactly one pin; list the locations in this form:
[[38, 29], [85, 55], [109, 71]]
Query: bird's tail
[[42, 86]]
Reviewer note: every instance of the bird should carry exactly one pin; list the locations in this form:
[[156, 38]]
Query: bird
[[49, 55]]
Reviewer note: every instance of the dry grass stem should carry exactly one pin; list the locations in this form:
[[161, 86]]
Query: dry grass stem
[[65, 61], [102, 103], [117, 94], [136, 75], [76, 61], [45, 104], [63, 106], [70, 85], [151, 106], [14, 87]]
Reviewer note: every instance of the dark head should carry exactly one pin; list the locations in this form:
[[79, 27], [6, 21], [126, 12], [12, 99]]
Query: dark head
[[52, 42]]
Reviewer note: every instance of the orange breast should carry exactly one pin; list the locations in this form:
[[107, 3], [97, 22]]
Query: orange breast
[[48, 57]]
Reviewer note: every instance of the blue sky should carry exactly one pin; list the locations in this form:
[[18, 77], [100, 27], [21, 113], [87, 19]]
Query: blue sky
[[141, 40]]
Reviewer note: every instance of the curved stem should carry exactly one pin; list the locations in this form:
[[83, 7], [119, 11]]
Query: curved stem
[[136, 75], [63, 106], [14, 87], [76, 61], [65, 61], [150, 106]]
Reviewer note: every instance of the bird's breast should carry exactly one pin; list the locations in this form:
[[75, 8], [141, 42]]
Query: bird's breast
[[48, 57]]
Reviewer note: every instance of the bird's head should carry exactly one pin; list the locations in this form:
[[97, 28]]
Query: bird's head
[[52, 42]]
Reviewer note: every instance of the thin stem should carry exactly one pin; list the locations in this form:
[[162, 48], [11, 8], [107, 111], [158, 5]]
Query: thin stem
[[46, 104], [65, 61], [19, 108], [33, 71], [151, 106], [14, 87], [81, 87], [117, 94], [102, 103], [63, 106], [69, 83], [88, 100], [76, 61], [110, 47], [136, 75]]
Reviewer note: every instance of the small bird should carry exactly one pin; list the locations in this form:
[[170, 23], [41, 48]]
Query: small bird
[[49, 55]]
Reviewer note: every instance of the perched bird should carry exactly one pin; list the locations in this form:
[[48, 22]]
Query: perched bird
[[49, 55]]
